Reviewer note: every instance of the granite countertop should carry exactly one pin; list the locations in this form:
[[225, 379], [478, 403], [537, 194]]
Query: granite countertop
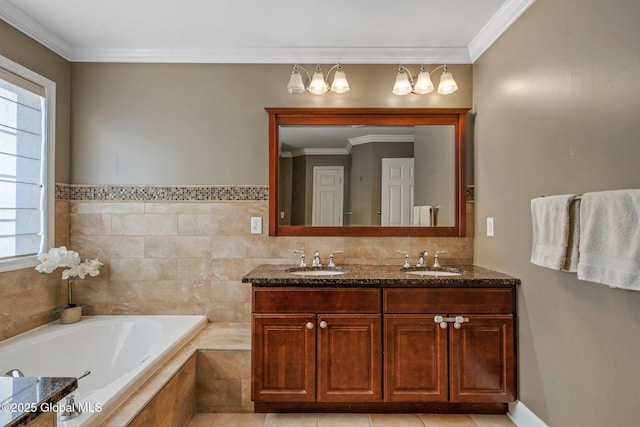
[[366, 275], [22, 399]]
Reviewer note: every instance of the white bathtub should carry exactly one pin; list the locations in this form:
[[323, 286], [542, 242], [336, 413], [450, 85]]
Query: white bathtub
[[121, 352]]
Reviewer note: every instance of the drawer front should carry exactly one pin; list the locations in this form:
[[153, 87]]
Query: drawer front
[[313, 300], [460, 300]]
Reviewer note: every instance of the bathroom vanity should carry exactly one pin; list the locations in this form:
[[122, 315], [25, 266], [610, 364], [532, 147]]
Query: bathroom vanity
[[383, 339]]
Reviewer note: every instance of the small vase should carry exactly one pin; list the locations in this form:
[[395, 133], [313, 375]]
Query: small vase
[[71, 315]]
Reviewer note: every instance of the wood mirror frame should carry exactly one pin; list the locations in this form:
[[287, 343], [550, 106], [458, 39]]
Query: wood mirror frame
[[368, 116]]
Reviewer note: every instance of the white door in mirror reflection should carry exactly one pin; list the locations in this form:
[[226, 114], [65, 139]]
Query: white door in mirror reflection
[[328, 190], [397, 192]]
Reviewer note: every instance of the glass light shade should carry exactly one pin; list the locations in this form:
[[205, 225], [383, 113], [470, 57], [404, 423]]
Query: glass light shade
[[296, 85], [340, 84], [402, 85], [424, 84], [447, 84], [318, 86]]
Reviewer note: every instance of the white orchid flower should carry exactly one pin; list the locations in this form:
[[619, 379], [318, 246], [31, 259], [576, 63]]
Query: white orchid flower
[[62, 257]]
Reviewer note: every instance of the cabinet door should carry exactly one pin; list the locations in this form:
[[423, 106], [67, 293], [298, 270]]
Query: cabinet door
[[483, 360], [415, 359], [284, 358], [349, 358]]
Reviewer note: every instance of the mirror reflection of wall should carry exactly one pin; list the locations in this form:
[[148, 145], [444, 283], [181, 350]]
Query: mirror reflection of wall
[[435, 180], [360, 150]]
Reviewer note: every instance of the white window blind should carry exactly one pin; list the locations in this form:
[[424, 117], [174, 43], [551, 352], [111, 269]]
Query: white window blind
[[22, 162]]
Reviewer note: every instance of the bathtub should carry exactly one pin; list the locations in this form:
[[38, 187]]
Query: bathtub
[[121, 352]]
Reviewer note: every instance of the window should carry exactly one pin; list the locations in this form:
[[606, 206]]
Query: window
[[26, 165]]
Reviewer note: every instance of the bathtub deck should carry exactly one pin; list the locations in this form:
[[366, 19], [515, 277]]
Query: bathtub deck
[[214, 337]]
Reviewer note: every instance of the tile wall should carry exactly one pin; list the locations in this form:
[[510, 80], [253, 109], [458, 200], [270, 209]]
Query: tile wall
[[27, 297], [180, 250]]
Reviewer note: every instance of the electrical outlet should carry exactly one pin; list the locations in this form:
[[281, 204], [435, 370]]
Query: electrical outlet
[[490, 231], [256, 225]]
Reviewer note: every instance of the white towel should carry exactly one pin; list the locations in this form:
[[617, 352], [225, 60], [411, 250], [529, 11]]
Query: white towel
[[551, 224], [610, 238], [416, 216], [572, 257], [422, 216], [425, 216]]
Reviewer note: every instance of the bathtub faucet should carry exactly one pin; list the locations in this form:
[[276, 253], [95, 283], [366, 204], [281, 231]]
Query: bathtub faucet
[[16, 373]]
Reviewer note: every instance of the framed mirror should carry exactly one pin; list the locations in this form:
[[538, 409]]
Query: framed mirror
[[367, 171]]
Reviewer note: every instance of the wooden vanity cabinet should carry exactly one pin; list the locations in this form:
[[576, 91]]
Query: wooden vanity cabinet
[[316, 345], [380, 350], [428, 361]]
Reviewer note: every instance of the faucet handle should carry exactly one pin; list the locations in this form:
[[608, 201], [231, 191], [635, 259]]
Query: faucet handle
[[406, 259], [303, 262], [331, 263], [436, 262]]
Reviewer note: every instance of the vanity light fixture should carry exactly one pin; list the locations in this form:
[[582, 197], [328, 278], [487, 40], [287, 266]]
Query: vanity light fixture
[[423, 85], [317, 83]]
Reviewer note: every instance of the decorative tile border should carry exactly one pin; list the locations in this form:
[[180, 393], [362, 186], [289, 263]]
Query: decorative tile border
[[162, 193]]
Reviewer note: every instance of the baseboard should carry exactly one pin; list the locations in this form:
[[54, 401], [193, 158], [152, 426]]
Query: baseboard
[[523, 416]]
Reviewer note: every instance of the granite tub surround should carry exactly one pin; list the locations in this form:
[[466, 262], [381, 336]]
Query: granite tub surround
[[29, 397], [359, 275]]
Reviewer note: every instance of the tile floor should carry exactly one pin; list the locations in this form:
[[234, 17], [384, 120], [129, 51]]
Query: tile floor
[[349, 420]]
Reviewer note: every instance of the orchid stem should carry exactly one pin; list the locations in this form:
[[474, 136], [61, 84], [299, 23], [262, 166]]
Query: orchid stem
[[69, 290]]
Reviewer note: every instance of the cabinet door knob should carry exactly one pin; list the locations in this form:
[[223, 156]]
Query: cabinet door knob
[[459, 321], [323, 324], [309, 325], [440, 320]]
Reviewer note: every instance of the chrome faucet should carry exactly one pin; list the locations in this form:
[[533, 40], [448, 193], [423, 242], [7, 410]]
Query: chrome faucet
[[406, 259], [316, 260], [436, 262], [331, 263], [421, 262], [15, 373], [303, 262]]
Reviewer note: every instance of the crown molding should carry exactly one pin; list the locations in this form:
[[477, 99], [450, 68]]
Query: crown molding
[[316, 152], [497, 25], [366, 139], [277, 55], [23, 23]]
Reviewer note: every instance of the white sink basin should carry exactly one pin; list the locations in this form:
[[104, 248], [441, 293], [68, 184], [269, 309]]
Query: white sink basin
[[316, 271], [433, 273]]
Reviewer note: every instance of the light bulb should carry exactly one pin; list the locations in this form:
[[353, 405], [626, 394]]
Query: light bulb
[[402, 85], [447, 84], [318, 86], [424, 84], [340, 84], [296, 84]]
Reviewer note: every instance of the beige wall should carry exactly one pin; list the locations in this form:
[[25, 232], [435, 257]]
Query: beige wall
[[28, 53], [557, 100], [204, 123], [26, 298]]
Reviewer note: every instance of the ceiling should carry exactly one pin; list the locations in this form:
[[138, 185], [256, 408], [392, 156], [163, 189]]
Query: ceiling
[[260, 31]]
